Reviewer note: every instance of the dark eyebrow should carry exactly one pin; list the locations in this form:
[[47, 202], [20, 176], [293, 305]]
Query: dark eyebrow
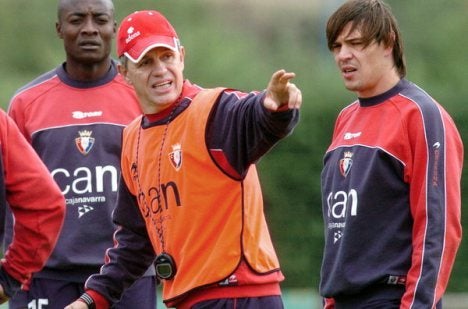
[[93, 13], [354, 39]]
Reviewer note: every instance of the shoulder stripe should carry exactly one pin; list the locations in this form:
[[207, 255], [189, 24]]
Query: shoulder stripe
[[435, 204]]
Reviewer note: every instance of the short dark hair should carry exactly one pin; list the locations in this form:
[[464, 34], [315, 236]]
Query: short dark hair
[[62, 4], [376, 22]]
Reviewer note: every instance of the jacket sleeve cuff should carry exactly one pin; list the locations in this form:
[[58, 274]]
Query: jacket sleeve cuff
[[10, 285], [94, 300]]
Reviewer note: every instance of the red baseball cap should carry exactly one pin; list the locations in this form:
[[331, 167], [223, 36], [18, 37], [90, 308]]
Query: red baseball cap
[[142, 31]]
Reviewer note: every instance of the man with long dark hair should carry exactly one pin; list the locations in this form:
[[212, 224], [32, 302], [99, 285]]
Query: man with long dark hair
[[391, 176]]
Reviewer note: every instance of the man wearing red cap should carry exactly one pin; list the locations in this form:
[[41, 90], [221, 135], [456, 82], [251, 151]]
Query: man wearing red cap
[[189, 196]]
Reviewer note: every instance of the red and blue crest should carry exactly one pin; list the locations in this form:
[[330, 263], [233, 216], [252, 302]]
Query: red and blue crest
[[176, 156], [346, 163], [85, 142]]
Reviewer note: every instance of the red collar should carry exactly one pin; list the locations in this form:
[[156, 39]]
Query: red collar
[[189, 90]]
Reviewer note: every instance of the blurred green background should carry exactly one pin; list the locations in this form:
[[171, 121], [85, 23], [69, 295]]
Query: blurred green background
[[239, 44]]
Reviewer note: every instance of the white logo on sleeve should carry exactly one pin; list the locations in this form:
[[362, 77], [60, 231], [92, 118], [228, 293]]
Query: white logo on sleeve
[[349, 135]]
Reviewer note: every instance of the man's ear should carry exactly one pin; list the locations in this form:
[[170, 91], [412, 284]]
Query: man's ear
[[391, 44], [124, 72], [182, 56], [115, 29], [58, 29]]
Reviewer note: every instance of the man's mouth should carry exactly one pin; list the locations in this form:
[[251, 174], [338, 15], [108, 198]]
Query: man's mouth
[[348, 69], [89, 44], [163, 85]]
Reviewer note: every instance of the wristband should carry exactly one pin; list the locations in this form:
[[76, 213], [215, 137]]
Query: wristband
[[88, 300]]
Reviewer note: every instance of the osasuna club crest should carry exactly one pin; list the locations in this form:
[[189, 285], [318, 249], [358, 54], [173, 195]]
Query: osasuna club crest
[[176, 156], [346, 163], [85, 142]]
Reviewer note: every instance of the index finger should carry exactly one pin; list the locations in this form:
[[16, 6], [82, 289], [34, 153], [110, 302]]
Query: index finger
[[282, 77]]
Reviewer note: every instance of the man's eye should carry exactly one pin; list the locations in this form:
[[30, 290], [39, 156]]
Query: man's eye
[[74, 21], [143, 62], [335, 47], [102, 21], [167, 56]]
